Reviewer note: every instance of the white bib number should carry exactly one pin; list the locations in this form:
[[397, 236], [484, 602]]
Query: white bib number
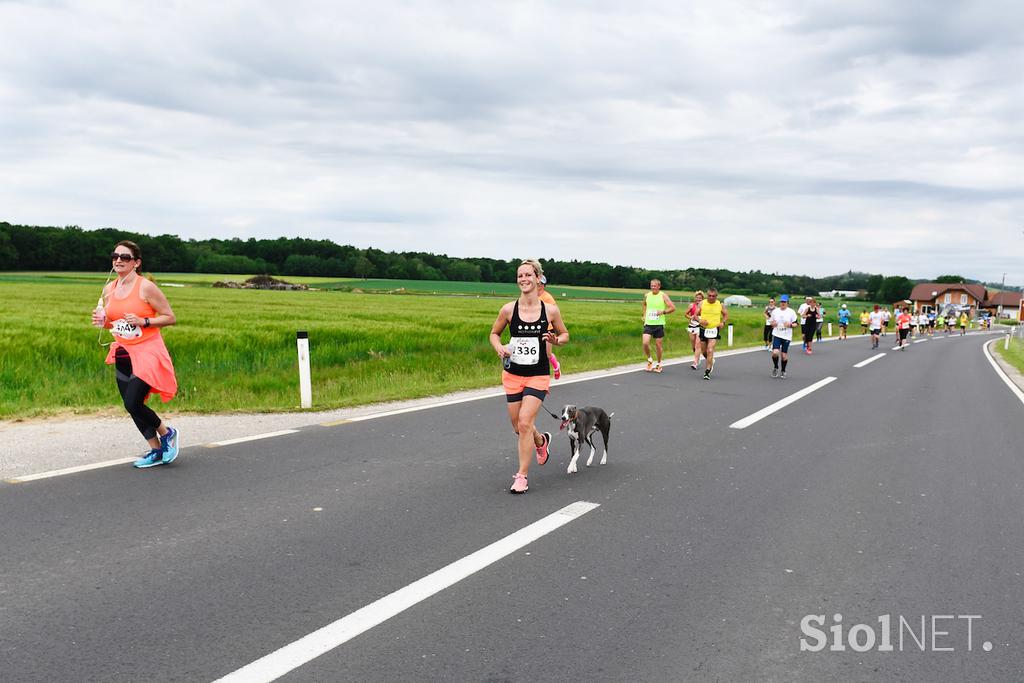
[[710, 332], [652, 315], [525, 350], [125, 330]]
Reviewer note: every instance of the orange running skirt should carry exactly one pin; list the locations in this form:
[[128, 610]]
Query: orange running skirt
[[152, 364]]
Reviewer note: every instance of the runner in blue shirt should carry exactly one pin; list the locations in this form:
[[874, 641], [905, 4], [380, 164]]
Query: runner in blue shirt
[[844, 320]]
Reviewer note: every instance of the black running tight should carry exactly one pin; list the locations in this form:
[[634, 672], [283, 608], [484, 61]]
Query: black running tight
[[133, 392]]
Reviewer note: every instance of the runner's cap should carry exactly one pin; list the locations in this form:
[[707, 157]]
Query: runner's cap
[[784, 297]]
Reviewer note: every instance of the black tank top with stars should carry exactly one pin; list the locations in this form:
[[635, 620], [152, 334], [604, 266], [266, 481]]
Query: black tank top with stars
[[529, 347]]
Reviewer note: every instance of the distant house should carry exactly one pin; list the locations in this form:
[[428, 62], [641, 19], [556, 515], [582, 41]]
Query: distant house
[[942, 297], [842, 294], [1008, 301]]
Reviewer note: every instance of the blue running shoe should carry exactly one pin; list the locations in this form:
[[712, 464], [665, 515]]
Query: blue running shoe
[[169, 443], [151, 459]]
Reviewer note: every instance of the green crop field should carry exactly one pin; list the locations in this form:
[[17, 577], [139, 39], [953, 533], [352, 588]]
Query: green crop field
[[234, 350], [1013, 355]]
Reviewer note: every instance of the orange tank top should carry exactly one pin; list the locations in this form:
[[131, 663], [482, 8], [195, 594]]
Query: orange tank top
[[133, 303]]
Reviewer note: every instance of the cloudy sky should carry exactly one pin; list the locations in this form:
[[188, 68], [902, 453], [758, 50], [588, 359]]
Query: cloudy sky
[[784, 135]]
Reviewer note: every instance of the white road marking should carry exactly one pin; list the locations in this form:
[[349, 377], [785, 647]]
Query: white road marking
[[869, 360], [918, 341], [779, 405], [413, 409], [69, 470], [251, 437], [999, 371], [309, 647]]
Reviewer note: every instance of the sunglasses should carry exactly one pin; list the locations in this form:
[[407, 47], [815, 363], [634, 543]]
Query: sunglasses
[[115, 256]]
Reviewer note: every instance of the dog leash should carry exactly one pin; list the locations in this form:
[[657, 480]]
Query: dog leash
[[557, 417]]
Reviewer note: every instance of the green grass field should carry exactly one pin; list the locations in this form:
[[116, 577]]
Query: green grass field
[[234, 350], [1013, 355]]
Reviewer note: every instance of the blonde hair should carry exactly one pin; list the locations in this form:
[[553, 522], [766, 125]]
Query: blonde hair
[[535, 264], [700, 293]]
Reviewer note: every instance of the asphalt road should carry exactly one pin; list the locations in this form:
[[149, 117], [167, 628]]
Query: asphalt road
[[893, 490]]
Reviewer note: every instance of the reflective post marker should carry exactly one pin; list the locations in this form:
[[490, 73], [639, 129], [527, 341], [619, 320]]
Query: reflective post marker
[[730, 335], [830, 329], [305, 387]]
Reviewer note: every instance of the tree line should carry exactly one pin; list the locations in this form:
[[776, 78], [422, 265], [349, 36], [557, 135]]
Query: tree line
[[72, 248]]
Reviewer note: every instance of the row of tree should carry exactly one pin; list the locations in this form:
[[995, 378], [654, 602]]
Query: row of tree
[[25, 247]]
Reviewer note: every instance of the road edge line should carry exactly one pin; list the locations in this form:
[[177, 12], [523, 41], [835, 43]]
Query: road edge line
[[1000, 372]]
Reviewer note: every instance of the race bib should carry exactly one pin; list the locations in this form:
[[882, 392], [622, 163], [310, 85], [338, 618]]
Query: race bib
[[125, 330], [525, 350], [652, 315], [710, 332]]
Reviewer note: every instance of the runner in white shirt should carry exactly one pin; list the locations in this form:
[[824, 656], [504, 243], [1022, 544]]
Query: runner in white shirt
[[783, 320], [875, 321], [886, 315]]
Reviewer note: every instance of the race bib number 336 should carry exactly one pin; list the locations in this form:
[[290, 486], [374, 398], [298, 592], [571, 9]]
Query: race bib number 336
[[525, 350]]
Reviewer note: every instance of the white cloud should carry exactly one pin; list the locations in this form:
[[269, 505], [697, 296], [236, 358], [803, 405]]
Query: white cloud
[[791, 136]]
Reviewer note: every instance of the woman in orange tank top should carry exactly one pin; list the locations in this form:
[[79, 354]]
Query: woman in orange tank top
[[133, 310]]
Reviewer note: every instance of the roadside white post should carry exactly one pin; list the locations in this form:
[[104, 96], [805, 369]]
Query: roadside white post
[[1006, 344], [305, 386], [730, 335], [830, 329]]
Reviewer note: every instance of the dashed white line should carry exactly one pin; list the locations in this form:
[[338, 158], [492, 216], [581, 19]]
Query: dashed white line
[[869, 360], [779, 405], [918, 341], [309, 647], [251, 437]]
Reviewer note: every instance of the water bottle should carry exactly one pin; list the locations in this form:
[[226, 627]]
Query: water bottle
[[507, 360], [99, 310]]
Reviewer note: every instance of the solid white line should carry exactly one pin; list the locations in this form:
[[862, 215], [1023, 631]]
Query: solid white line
[[251, 437], [413, 409], [307, 648], [918, 341], [69, 470], [999, 371], [779, 405], [869, 360]]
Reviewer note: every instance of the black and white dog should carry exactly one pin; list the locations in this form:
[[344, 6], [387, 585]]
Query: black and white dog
[[581, 424]]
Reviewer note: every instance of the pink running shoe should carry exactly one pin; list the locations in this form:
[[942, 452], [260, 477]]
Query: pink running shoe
[[542, 451], [519, 484], [555, 366]]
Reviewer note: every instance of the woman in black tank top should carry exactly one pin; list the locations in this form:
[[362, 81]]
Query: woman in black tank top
[[526, 378], [534, 355]]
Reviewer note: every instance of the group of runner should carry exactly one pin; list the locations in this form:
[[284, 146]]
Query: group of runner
[[133, 308], [925, 323], [706, 317]]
